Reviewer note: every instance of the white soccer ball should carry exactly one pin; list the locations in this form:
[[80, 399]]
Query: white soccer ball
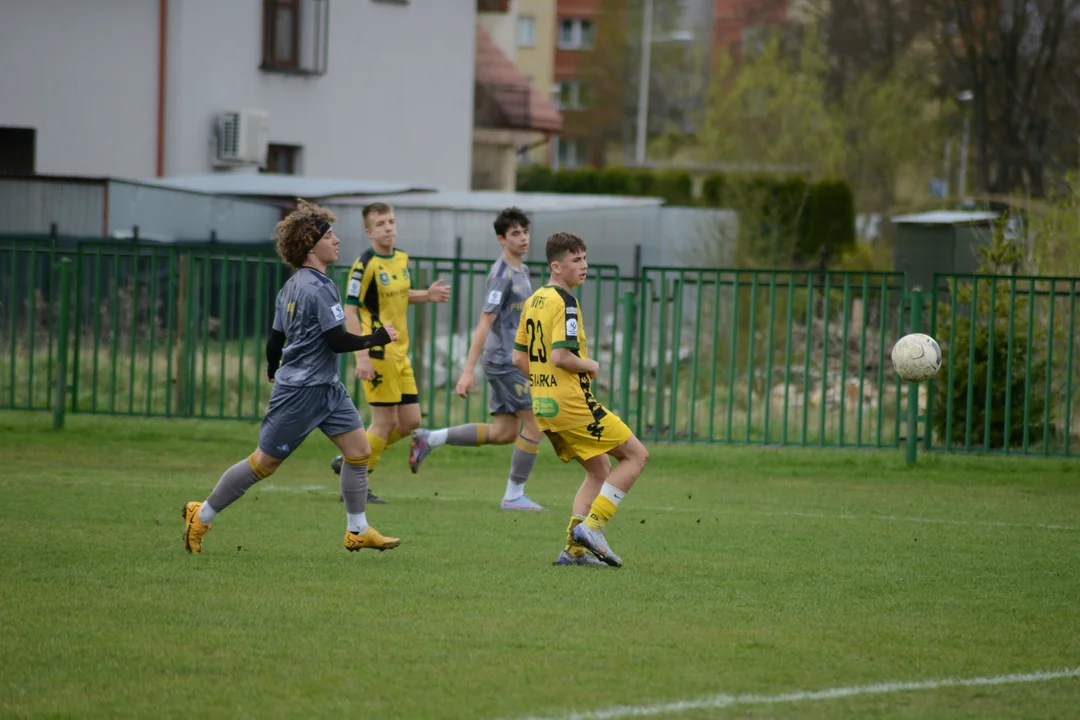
[[916, 357]]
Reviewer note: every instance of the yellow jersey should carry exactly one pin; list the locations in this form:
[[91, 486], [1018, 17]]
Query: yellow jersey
[[379, 288], [562, 400]]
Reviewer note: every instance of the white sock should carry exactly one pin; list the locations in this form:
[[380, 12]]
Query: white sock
[[357, 522], [612, 493], [513, 490], [207, 514], [436, 438]]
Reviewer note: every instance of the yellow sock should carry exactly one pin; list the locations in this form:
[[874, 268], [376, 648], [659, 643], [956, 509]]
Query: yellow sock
[[572, 547], [378, 444], [601, 511], [394, 437]]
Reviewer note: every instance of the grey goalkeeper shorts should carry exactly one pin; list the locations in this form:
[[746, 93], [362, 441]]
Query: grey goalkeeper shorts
[[509, 392], [295, 412]]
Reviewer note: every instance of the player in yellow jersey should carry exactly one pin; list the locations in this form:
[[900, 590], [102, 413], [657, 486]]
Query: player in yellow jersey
[[380, 291], [551, 350]]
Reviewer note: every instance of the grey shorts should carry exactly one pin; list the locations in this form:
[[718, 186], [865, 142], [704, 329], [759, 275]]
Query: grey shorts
[[509, 393], [295, 412]]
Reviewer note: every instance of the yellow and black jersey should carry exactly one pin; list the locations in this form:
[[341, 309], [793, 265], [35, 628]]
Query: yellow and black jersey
[[561, 399], [379, 287]]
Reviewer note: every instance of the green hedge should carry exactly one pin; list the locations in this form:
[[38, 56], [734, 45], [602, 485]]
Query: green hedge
[[809, 217]]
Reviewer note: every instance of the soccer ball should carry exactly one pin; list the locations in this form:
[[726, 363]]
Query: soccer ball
[[916, 357]]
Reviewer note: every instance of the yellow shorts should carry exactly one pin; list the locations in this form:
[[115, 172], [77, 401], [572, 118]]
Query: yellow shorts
[[393, 384], [588, 441]]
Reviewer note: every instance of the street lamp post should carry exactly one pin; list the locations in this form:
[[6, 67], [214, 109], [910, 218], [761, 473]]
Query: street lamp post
[[643, 84], [964, 98]]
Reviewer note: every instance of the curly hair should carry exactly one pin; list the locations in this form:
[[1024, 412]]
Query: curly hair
[[300, 230]]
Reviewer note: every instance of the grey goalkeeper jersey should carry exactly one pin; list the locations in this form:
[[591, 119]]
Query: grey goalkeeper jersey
[[506, 293], [308, 305]]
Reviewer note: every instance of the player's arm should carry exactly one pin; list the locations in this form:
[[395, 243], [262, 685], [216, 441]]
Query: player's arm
[[353, 327], [565, 345], [332, 321], [359, 286], [275, 344], [342, 341], [479, 339], [439, 292], [520, 356], [495, 294]]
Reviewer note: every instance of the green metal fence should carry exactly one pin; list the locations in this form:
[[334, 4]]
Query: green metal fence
[[687, 355]]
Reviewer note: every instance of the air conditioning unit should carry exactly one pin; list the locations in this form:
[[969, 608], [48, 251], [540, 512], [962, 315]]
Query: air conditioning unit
[[242, 137]]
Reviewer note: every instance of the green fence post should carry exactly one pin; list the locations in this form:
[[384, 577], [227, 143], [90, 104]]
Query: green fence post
[[915, 326], [60, 390], [625, 355]]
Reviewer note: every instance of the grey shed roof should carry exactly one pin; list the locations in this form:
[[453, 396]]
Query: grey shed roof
[[274, 185], [496, 201], [945, 217]]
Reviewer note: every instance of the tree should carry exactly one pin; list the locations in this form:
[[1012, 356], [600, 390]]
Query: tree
[[776, 111], [1019, 59], [679, 72], [991, 357]]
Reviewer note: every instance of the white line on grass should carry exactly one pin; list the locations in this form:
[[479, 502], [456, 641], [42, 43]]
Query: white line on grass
[[725, 701]]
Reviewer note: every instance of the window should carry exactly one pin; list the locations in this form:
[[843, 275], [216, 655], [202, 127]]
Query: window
[[17, 150], [572, 95], [295, 36], [575, 34], [571, 153], [526, 31], [282, 159]]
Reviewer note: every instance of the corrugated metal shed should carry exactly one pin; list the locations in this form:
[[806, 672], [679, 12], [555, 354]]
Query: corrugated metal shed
[[280, 186], [97, 207], [181, 215], [31, 204], [613, 226], [940, 241]]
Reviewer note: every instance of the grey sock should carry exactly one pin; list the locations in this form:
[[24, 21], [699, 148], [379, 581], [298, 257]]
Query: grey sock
[[471, 434], [235, 482], [522, 460], [354, 484]]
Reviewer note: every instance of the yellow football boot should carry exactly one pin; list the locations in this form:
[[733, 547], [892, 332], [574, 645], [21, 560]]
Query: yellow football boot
[[195, 528], [370, 538]]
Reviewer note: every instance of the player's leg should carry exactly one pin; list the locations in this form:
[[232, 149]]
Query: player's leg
[[522, 460], [408, 414], [502, 432], [574, 553], [611, 437], [292, 415], [424, 442], [346, 430]]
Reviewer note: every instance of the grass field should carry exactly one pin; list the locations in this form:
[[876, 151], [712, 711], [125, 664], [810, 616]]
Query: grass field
[[758, 583]]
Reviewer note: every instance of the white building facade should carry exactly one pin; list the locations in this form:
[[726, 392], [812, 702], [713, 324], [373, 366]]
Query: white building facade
[[371, 89]]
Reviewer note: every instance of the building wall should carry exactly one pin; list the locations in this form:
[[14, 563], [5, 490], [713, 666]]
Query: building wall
[[411, 121], [84, 75], [502, 27], [538, 62]]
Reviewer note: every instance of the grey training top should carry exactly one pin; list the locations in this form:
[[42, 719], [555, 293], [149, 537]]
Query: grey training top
[[307, 306], [507, 291]]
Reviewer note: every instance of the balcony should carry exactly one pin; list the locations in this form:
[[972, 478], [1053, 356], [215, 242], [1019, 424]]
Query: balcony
[[504, 98]]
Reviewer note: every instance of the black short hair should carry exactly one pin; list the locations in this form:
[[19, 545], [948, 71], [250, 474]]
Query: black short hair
[[510, 217], [561, 243]]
